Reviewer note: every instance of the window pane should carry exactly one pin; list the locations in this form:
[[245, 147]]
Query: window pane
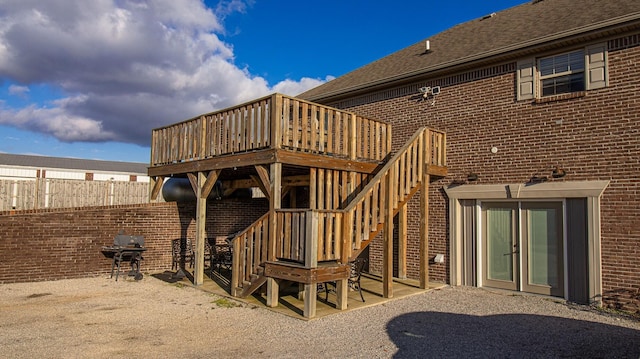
[[561, 63], [499, 244], [576, 82], [543, 247], [569, 62], [576, 60], [546, 66], [563, 84]]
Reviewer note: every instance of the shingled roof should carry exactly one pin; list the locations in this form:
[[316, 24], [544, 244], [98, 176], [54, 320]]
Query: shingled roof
[[509, 32]]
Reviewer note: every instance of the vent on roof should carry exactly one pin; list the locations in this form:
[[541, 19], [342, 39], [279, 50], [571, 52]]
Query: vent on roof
[[488, 16]]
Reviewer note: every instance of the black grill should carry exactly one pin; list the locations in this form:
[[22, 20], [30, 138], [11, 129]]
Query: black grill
[[126, 248]]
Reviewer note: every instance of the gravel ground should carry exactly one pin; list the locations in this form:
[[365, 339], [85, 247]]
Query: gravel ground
[[101, 318]]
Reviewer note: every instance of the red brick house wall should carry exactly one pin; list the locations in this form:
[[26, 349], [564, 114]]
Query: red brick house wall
[[593, 136], [57, 244]]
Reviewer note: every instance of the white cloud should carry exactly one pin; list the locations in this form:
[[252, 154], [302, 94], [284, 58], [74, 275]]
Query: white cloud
[[297, 87], [125, 66], [16, 90]]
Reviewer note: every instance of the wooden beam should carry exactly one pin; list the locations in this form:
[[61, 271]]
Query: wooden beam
[[326, 162], [274, 204], [239, 183], [235, 268], [210, 181], [193, 179], [156, 186], [201, 217], [264, 157], [289, 181], [342, 292], [263, 187], [295, 181], [424, 232], [402, 242], [272, 292], [215, 163], [311, 261], [310, 297], [264, 181], [313, 188], [285, 190], [439, 171], [387, 250]]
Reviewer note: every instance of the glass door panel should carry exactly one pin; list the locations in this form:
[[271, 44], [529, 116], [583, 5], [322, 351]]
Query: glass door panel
[[500, 245], [543, 248]]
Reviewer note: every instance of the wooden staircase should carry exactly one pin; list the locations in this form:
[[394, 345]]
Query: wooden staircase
[[336, 235]]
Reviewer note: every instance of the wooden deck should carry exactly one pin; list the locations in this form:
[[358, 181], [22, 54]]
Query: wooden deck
[[353, 186], [291, 305]]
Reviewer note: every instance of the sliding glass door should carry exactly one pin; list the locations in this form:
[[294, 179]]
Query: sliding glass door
[[522, 246]]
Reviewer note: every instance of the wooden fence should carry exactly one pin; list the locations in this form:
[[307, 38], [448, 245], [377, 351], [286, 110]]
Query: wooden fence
[[62, 193]]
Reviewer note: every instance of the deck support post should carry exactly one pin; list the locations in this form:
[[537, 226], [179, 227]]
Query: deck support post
[[424, 231], [342, 292], [275, 174], [272, 292], [387, 250], [402, 242], [311, 261], [204, 184], [310, 296]]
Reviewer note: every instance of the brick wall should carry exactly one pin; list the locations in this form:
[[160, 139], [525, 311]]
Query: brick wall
[[595, 136], [42, 245]]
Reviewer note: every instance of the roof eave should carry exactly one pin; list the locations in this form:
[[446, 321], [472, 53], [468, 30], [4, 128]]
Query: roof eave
[[606, 28]]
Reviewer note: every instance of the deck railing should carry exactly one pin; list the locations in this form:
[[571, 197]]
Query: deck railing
[[249, 251], [295, 230], [275, 121], [338, 233], [310, 236]]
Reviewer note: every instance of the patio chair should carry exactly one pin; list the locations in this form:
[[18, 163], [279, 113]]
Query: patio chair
[[355, 274], [221, 256], [181, 253]]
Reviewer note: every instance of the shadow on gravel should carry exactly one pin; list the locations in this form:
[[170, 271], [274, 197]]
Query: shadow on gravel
[[435, 334]]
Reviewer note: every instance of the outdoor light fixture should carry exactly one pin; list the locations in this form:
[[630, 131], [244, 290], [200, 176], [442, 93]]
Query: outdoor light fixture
[[558, 172], [538, 179], [439, 258]]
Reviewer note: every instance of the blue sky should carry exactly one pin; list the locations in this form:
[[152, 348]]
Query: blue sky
[[90, 79]]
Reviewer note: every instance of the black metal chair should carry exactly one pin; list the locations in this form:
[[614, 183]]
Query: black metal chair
[[355, 274], [181, 253], [221, 256]]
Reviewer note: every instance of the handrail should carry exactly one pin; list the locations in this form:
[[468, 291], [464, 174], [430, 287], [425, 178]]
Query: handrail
[[335, 234], [249, 251], [275, 121], [365, 213]]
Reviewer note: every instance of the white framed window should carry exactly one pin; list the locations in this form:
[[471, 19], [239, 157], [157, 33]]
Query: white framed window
[[578, 70], [562, 73]]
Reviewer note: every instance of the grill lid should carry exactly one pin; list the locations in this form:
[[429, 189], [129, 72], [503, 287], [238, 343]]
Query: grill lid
[[123, 240]]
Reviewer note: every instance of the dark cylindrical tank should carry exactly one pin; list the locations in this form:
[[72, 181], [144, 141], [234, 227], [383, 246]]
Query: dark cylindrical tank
[[177, 189]]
